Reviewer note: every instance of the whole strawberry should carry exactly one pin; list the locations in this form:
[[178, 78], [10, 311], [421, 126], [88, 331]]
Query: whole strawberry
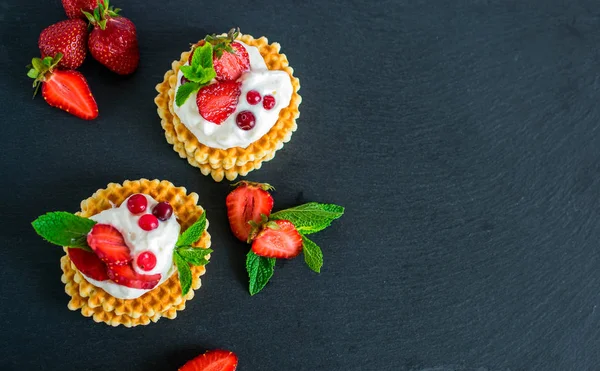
[[73, 8], [113, 41], [66, 37]]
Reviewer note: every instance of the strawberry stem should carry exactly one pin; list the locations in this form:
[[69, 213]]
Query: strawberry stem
[[103, 12], [39, 69]]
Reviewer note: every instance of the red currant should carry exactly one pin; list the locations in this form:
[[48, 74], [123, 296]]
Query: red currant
[[253, 97], [148, 222], [146, 261], [245, 120], [268, 102], [137, 203], [163, 211]]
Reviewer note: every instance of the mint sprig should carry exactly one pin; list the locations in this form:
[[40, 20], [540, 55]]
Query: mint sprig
[[311, 217], [260, 270], [200, 72], [308, 218], [185, 254], [64, 229]]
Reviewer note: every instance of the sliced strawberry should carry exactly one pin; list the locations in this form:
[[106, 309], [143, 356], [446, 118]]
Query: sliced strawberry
[[88, 263], [218, 101], [230, 66], [108, 243], [69, 91], [126, 276], [246, 203], [213, 360], [281, 241]]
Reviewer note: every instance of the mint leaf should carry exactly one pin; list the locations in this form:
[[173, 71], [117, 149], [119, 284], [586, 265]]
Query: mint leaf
[[207, 75], [201, 76], [203, 57], [260, 270], [311, 217], [193, 233], [313, 256], [184, 92], [64, 229], [194, 255], [185, 273]]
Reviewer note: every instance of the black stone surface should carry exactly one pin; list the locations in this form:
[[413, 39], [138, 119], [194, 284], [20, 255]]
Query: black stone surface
[[462, 137]]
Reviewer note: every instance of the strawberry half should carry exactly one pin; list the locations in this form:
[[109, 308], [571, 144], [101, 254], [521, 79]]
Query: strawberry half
[[73, 8], [66, 90], [108, 243], [279, 240], [67, 37], [247, 203], [216, 102], [213, 360], [230, 66], [88, 263], [113, 41], [126, 276]]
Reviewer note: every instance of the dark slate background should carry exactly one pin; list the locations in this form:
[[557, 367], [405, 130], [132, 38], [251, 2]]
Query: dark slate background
[[462, 137]]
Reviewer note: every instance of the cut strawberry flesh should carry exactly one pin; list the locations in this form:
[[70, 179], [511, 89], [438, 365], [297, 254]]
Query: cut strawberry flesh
[[282, 243], [88, 263], [126, 276], [69, 91], [231, 66], [246, 203], [108, 243], [216, 102], [214, 360]]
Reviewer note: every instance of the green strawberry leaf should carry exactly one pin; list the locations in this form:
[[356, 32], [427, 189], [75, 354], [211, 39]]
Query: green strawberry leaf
[[194, 255], [313, 256], [64, 229], [311, 217], [193, 233], [184, 92], [260, 270], [185, 273], [33, 73], [40, 65]]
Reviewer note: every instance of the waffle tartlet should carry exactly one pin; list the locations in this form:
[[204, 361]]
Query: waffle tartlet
[[162, 301], [231, 162]]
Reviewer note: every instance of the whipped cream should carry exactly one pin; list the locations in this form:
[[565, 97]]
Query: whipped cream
[[228, 134], [160, 241]]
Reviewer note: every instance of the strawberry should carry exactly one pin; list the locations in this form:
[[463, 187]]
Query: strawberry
[[218, 101], [213, 360], [278, 239], [66, 90], [73, 8], [66, 37], [230, 58], [88, 263], [113, 41], [126, 276], [231, 65], [108, 243], [247, 203]]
